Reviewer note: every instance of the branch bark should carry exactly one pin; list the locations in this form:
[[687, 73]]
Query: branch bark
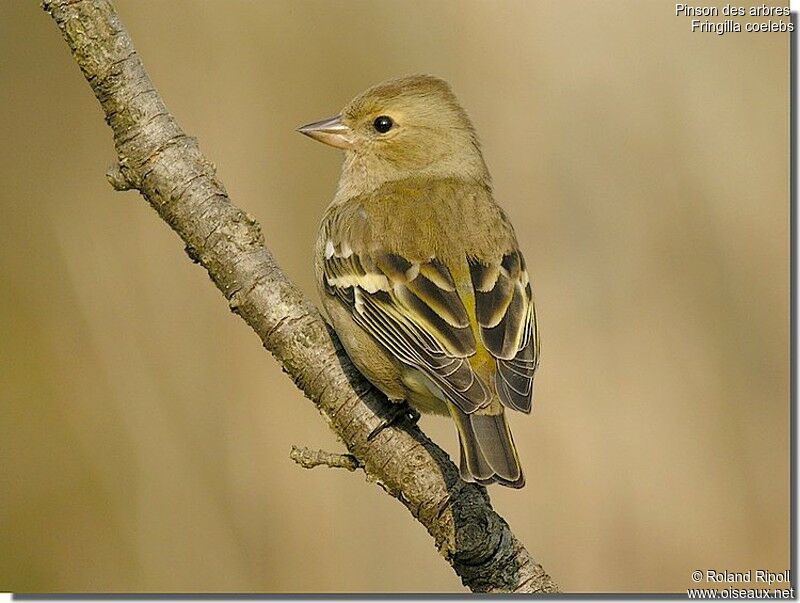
[[158, 159]]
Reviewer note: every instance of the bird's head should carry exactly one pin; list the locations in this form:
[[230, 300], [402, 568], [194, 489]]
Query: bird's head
[[412, 126]]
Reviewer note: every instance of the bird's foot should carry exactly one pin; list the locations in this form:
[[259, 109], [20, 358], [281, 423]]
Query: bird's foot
[[400, 411]]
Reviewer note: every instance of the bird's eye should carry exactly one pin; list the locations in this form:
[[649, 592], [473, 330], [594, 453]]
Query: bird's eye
[[382, 124]]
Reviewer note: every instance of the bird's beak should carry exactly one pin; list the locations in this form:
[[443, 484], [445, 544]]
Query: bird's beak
[[330, 131]]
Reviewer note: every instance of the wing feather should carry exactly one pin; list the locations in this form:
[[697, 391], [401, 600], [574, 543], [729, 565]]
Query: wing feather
[[507, 319], [414, 310]]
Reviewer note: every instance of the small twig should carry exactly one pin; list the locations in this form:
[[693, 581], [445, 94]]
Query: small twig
[[308, 459]]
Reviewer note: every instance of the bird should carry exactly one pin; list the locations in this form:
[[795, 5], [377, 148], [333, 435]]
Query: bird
[[419, 269]]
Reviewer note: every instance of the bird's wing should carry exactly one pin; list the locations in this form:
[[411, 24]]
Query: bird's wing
[[507, 319], [414, 310]]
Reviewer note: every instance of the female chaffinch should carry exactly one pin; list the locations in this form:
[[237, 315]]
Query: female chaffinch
[[420, 272]]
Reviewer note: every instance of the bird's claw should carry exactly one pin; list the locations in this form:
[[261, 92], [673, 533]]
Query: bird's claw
[[399, 411]]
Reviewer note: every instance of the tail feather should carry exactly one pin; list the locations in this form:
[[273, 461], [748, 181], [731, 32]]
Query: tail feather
[[473, 466], [488, 454]]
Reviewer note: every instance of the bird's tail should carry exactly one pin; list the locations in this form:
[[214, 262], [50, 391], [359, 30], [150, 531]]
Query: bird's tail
[[488, 454]]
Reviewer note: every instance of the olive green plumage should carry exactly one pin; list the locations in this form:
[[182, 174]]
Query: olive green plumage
[[420, 272]]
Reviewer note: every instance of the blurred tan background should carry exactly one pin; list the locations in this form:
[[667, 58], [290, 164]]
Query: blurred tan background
[[146, 432]]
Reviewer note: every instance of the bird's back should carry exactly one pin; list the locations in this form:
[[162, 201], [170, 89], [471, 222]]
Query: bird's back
[[414, 218]]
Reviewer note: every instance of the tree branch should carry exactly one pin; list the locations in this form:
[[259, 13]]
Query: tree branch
[[157, 158]]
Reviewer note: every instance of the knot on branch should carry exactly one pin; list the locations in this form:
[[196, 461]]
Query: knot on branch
[[120, 177]]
